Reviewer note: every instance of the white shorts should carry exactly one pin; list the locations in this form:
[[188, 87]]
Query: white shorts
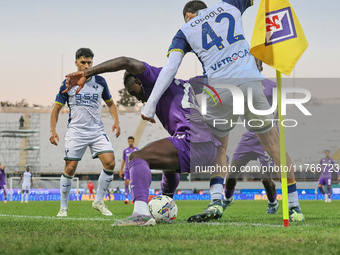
[[75, 147], [224, 112], [26, 186]]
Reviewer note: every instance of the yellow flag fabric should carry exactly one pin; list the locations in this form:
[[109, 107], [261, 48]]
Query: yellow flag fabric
[[278, 39]]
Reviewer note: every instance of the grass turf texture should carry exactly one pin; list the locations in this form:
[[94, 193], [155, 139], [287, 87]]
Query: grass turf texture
[[243, 229]]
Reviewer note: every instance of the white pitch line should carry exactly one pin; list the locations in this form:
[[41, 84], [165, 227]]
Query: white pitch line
[[302, 224], [55, 218]]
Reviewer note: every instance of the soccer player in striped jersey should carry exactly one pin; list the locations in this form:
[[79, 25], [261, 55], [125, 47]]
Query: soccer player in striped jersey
[[191, 143], [217, 38], [327, 166], [126, 154], [85, 129], [27, 183], [3, 181]]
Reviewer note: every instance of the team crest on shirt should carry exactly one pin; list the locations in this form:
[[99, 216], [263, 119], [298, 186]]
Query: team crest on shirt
[[280, 26], [95, 87]]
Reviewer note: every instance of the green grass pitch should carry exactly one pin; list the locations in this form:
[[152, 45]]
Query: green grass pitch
[[33, 228]]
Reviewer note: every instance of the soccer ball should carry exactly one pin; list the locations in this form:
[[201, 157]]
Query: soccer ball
[[163, 209]]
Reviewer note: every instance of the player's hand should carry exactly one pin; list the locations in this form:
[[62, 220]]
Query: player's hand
[[117, 128], [54, 138], [147, 114], [75, 79], [120, 174], [339, 178]]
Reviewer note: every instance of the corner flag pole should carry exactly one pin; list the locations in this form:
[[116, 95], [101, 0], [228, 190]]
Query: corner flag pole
[[283, 160]]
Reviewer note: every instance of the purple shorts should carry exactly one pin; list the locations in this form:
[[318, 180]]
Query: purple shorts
[[193, 154], [2, 186], [127, 174], [325, 181], [254, 151]]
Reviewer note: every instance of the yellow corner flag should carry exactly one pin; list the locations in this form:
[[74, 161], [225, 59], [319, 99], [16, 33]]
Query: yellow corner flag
[[278, 39]]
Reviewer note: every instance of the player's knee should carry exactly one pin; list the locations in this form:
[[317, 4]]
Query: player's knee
[[110, 165]]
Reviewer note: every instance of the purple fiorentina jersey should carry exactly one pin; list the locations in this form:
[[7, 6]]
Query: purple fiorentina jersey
[[328, 167], [268, 85], [2, 177], [126, 155], [177, 109]]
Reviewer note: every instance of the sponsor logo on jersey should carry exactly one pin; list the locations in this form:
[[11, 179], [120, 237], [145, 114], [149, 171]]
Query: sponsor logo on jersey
[[280, 26], [234, 57]]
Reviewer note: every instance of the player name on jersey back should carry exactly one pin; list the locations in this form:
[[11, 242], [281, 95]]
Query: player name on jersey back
[[217, 37], [212, 14]]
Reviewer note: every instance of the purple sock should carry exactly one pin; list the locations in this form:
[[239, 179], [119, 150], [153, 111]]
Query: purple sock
[[228, 193], [169, 183], [321, 190], [329, 188], [140, 179], [5, 195], [272, 198], [126, 192]]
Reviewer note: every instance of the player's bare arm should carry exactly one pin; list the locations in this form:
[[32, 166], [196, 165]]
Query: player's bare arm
[[114, 115], [54, 137], [121, 169], [131, 65]]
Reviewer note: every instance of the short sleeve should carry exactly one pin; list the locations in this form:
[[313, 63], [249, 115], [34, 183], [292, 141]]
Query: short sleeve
[[106, 95], [242, 5], [150, 75], [61, 98], [180, 44], [124, 155]]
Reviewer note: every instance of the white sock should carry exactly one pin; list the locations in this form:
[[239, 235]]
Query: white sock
[[26, 196], [65, 188], [216, 191], [141, 207], [216, 188], [22, 197], [104, 181], [293, 198]]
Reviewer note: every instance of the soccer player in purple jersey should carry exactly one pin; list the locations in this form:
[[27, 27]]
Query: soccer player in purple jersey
[[3, 181], [125, 162], [327, 166], [217, 37], [191, 143]]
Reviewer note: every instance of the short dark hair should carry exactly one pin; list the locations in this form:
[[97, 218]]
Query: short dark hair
[[131, 137], [194, 6], [84, 52], [130, 80]]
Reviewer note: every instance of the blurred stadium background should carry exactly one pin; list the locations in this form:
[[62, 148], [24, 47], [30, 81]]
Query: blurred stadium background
[[29, 146]]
